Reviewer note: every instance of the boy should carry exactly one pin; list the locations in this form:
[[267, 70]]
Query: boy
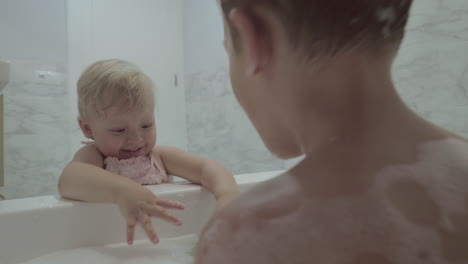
[[379, 184]]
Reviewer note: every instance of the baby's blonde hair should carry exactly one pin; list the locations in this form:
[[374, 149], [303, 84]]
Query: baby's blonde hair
[[113, 83]]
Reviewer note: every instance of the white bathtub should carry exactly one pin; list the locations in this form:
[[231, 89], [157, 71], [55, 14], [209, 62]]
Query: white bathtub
[[32, 227]]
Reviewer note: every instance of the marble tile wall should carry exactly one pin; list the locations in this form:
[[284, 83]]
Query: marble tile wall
[[431, 73], [35, 129]]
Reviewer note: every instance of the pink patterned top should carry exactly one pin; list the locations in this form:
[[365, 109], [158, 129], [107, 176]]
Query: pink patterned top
[[145, 170]]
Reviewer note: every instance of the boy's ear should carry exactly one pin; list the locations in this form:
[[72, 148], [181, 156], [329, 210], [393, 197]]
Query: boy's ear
[[253, 37], [88, 133]]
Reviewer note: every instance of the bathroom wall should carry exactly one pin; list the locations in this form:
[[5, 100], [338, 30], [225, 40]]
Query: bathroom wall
[[35, 129], [431, 73], [216, 125], [34, 30], [35, 101]]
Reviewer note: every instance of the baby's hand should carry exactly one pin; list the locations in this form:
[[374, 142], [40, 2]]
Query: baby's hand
[[139, 205]]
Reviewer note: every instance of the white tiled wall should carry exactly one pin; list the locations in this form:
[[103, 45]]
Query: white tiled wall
[[35, 129], [431, 71]]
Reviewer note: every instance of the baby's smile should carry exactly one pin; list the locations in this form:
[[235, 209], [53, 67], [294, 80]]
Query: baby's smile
[[132, 153]]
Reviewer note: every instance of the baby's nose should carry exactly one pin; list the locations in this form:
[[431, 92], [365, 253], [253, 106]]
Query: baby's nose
[[135, 140]]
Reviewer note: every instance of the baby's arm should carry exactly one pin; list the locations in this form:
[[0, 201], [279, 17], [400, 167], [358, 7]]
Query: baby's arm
[[209, 173], [85, 179]]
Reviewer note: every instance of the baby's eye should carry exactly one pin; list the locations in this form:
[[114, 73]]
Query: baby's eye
[[147, 126], [117, 131]]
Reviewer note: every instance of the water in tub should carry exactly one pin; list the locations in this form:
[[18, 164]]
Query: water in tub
[[178, 250]]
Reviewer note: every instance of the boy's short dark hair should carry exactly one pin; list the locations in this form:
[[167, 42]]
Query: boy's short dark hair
[[329, 26]]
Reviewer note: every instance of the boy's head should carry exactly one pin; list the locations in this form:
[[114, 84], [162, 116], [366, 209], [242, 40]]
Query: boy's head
[[116, 108], [276, 45], [326, 27]]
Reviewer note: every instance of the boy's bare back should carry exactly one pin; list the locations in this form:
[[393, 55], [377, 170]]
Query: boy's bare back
[[407, 213]]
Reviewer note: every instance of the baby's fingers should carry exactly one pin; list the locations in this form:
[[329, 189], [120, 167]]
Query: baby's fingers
[[147, 225], [131, 222], [160, 212], [170, 204]]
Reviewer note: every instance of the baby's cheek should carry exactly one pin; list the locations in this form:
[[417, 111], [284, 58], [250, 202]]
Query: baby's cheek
[[111, 147]]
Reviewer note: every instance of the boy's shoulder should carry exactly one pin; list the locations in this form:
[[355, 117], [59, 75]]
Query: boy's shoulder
[[438, 165], [275, 222], [419, 203], [242, 231]]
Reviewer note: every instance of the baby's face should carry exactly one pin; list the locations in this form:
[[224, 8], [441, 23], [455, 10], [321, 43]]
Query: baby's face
[[125, 135]]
